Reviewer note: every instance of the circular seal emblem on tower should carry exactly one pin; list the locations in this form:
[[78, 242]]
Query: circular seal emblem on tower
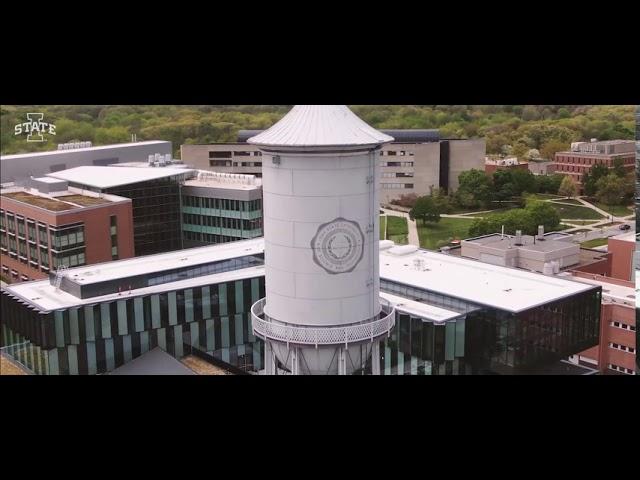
[[338, 247]]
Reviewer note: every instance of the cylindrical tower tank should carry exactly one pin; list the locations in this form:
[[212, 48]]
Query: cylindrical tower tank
[[321, 181]]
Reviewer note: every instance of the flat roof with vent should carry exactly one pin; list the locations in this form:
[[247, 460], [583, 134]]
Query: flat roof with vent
[[70, 199], [503, 288], [55, 153], [110, 177]]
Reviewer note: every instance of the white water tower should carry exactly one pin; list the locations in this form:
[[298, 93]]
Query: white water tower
[[321, 177]]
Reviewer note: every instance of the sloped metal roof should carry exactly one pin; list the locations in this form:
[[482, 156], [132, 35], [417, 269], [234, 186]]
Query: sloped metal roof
[[320, 126]]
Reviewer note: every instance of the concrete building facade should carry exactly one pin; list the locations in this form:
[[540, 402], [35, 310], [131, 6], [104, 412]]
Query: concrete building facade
[[220, 208], [534, 253], [415, 163], [41, 230], [16, 168]]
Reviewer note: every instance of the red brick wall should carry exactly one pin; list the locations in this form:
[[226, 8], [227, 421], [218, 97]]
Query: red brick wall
[[97, 231], [622, 258]]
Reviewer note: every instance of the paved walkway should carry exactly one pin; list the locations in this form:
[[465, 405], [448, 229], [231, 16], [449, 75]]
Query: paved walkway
[[414, 238], [594, 230]]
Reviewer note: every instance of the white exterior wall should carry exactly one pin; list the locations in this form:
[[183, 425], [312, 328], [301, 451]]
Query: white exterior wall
[[301, 194]]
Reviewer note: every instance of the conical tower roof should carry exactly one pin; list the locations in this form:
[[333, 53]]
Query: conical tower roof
[[320, 127]]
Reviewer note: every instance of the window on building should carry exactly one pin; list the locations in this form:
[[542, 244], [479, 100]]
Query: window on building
[[114, 237], [220, 154], [220, 163], [31, 227]]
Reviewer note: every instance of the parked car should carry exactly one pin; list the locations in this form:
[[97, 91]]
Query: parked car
[[625, 227]]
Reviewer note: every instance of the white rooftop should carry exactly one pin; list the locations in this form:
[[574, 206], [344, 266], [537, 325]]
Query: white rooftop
[[224, 180], [44, 295], [420, 309], [626, 237], [88, 149], [47, 180], [308, 126], [102, 272], [109, 177], [504, 288], [612, 292]]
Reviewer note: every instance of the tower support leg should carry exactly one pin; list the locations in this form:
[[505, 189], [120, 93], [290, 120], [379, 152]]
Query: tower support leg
[[342, 361], [295, 361], [269, 359], [375, 358]]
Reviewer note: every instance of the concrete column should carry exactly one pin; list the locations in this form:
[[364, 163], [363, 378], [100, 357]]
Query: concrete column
[[342, 361], [375, 358], [295, 362], [269, 359]]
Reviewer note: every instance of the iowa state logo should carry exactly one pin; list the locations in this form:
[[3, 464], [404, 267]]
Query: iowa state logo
[[35, 128], [338, 247]]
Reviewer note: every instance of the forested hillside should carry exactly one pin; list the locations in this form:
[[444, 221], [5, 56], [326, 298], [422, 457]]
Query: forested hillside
[[519, 128]]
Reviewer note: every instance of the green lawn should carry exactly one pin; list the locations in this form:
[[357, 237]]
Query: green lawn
[[615, 210], [598, 242], [492, 213], [572, 202], [582, 223], [544, 196], [383, 227], [436, 235], [571, 212], [398, 230]]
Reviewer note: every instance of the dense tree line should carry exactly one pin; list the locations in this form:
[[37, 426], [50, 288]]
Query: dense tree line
[[511, 129]]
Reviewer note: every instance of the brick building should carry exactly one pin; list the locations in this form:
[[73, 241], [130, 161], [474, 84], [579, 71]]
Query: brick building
[[47, 224], [585, 155], [616, 352]]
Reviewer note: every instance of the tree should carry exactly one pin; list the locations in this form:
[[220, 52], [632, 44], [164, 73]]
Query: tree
[[549, 149], [613, 190], [568, 188], [543, 213], [549, 183], [590, 179], [427, 209], [618, 168], [524, 181], [526, 219], [530, 113], [475, 189], [533, 154]]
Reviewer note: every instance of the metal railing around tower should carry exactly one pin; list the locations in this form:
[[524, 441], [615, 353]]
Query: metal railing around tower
[[267, 329]]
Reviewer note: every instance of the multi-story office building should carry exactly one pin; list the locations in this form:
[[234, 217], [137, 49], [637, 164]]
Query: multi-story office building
[[49, 224], [455, 316], [616, 352], [417, 162], [220, 208], [16, 168], [155, 193], [584, 155], [105, 315]]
